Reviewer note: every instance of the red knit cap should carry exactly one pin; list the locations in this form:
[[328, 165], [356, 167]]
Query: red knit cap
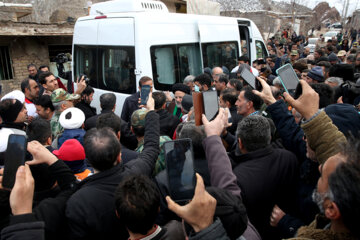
[[71, 150]]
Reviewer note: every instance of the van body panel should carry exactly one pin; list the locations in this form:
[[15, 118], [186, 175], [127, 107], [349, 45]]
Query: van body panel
[[86, 33], [116, 31]]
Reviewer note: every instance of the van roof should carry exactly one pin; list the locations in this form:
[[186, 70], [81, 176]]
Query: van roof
[[121, 6]]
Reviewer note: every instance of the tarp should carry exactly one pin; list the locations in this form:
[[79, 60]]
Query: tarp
[[203, 7]]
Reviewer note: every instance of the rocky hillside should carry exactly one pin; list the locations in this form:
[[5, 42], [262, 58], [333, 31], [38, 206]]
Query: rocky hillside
[[256, 5], [323, 14]]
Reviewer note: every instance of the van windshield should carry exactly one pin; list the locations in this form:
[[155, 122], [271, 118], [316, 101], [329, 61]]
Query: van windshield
[[108, 67], [172, 63]]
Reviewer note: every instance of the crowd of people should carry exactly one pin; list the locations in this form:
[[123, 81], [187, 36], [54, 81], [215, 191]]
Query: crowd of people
[[271, 165]]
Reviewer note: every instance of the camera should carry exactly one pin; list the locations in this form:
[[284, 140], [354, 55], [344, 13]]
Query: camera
[[61, 58], [87, 80]]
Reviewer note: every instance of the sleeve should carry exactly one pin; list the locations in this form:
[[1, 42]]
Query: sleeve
[[221, 174], [214, 231], [24, 227], [125, 111], [323, 136], [146, 162], [289, 131], [52, 210]]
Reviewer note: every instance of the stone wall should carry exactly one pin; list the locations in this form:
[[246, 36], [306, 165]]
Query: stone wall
[[26, 50]]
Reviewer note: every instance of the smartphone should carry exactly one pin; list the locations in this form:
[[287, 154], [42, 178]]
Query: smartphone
[[198, 104], [14, 158], [211, 104], [179, 158], [144, 94], [288, 77], [248, 77]]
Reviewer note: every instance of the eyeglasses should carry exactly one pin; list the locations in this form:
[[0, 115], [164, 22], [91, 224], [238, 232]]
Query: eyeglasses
[[358, 59]]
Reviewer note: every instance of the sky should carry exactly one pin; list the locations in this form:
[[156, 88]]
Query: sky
[[338, 4]]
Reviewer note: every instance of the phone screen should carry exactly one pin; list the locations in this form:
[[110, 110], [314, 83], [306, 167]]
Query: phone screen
[[288, 77], [144, 94], [14, 157], [248, 77], [180, 169], [211, 104]]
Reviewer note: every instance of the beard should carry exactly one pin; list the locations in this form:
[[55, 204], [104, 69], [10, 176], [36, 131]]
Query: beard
[[319, 198], [178, 104]]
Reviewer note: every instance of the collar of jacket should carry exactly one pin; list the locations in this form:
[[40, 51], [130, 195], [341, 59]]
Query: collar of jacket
[[106, 111], [254, 155], [100, 175]]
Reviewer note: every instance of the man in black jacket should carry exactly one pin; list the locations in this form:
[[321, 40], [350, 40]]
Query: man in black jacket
[[168, 122], [84, 104], [91, 211], [228, 98], [131, 103], [266, 176], [108, 105]]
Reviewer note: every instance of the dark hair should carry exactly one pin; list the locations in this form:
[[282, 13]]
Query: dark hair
[[196, 134], [224, 78], [330, 48], [345, 189], [236, 83], [325, 64], [107, 101], [326, 94], [43, 66], [39, 129], [31, 65], [203, 79], [101, 148], [87, 91], [255, 99], [229, 95], [254, 132], [143, 80], [244, 58], [320, 52], [139, 131], [137, 202], [301, 66], [45, 102], [159, 99], [44, 75], [110, 120], [344, 71], [25, 84]]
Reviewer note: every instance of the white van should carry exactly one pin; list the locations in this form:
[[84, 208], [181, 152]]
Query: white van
[[121, 41]]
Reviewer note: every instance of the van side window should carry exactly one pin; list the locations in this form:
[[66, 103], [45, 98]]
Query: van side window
[[260, 50], [86, 63], [118, 64], [220, 54], [108, 67], [172, 63], [164, 60]]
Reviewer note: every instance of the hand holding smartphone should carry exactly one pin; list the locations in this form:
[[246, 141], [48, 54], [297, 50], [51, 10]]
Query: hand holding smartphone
[[250, 79], [144, 94], [14, 157], [205, 103], [288, 77]]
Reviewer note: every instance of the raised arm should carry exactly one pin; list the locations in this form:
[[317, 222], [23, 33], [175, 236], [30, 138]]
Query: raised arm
[[221, 174], [145, 163]]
